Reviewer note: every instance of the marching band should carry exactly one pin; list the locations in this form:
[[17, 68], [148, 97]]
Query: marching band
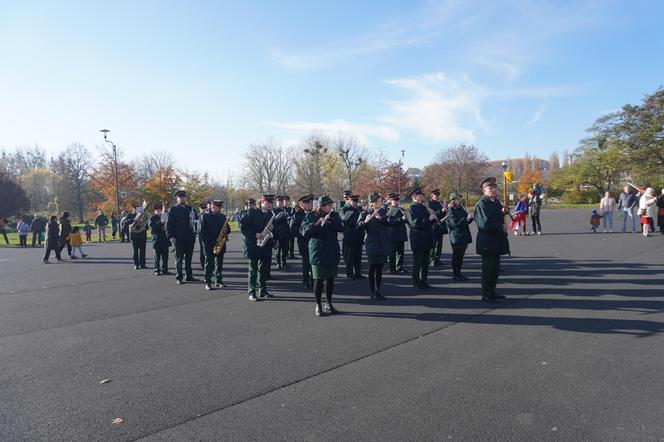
[[380, 230]]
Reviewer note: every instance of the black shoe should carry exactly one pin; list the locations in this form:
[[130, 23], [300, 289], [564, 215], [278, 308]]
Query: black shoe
[[464, 278], [220, 284], [178, 281], [332, 310], [252, 297], [208, 286], [319, 311], [489, 299], [457, 278], [379, 296], [137, 267], [372, 296], [166, 272], [416, 285], [191, 279], [497, 296], [266, 294], [425, 285], [393, 272], [306, 285], [157, 273]]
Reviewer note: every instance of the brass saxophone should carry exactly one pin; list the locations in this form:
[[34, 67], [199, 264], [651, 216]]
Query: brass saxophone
[[221, 239], [266, 234]]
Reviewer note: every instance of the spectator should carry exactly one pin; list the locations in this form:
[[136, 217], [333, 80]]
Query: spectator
[[65, 230], [594, 221], [76, 243], [3, 231], [519, 217], [627, 205], [607, 205], [38, 227], [114, 225], [647, 209], [52, 239], [101, 221], [535, 206], [660, 212], [87, 228], [23, 229]]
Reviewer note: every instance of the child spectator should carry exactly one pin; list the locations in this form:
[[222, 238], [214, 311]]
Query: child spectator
[[595, 220], [76, 242], [519, 217], [87, 228], [23, 228]]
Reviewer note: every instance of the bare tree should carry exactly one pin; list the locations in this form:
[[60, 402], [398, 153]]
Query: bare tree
[[352, 153], [464, 166], [267, 168], [73, 166], [149, 164], [554, 161], [308, 161]]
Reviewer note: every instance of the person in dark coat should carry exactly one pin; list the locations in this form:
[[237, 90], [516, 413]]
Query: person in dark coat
[[281, 233], [124, 227], [254, 224], [377, 242], [138, 243], [52, 239], [211, 224], [345, 196], [248, 205], [439, 229], [492, 241], [660, 212], [180, 229], [321, 229], [65, 230], [396, 231], [353, 237], [114, 225], [535, 207], [421, 221], [290, 210], [458, 220], [37, 226], [304, 207], [160, 242]]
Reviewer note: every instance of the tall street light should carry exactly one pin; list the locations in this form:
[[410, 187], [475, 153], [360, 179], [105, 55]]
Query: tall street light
[[403, 152], [115, 170], [505, 166]]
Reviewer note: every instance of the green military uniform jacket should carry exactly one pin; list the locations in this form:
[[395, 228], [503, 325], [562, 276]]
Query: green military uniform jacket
[[491, 236], [421, 227], [457, 223], [210, 227], [323, 244], [252, 223]]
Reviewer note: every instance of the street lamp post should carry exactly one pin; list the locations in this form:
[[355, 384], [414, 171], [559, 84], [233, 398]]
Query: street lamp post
[[403, 152], [505, 166], [115, 170]]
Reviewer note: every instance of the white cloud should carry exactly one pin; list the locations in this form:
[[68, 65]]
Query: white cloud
[[538, 114], [363, 132], [437, 109]]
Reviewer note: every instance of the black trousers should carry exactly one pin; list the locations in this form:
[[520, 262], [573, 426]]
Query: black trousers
[[353, 259], [23, 240], [421, 265], [160, 258], [375, 277], [490, 271], [201, 254], [537, 225], [52, 247], [318, 290], [291, 247], [3, 232], [281, 254], [62, 246], [124, 234], [214, 264], [396, 256], [139, 251], [457, 259], [303, 247], [183, 256]]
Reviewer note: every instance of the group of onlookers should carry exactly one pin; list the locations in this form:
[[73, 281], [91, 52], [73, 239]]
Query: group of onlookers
[[643, 206], [529, 204]]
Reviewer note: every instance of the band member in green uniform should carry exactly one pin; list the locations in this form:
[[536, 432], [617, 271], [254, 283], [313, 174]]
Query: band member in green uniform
[[421, 221], [211, 224], [377, 242], [439, 229], [160, 242], [180, 228], [248, 205], [257, 227], [321, 229], [353, 237], [492, 241], [396, 231], [304, 207], [281, 232], [344, 198], [290, 210], [458, 220], [138, 240]]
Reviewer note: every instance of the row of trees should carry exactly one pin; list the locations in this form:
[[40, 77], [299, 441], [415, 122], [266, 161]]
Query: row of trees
[[627, 145]]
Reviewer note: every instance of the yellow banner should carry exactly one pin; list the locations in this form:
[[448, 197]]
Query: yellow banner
[[508, 176]]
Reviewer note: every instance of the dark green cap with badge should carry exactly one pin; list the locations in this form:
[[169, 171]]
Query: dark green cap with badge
[[488, 182], [455, 195], [324, 199], [180, 193], [373, 196]]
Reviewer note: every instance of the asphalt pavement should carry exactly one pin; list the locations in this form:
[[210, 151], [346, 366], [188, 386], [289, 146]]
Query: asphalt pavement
[[575, 353]]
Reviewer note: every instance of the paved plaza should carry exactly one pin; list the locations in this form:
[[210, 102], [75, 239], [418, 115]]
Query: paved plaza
[[576, 353]]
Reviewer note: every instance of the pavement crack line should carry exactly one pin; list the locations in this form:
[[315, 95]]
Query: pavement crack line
[[333, 368]]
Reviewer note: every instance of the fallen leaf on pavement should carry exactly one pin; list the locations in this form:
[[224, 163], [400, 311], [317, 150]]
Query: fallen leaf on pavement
[[117, 421], [105, 381]]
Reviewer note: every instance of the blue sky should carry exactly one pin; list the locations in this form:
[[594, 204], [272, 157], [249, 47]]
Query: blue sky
[[203, 80]]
